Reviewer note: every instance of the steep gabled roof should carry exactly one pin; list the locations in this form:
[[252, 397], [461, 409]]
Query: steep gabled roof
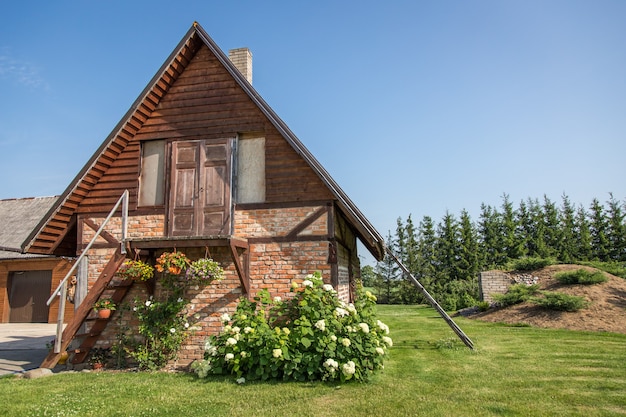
[[18, 218], [53, 227]]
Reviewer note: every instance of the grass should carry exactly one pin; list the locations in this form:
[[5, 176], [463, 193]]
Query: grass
[[515, 371]]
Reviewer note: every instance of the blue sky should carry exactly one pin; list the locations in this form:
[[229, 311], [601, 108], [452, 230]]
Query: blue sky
[[414, 107]]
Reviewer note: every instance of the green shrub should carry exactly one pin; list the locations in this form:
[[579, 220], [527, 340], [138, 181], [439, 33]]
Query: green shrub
[[530, 263], [559, 301], [614, 268], [517, 293], [312, 336], [581, 276], [483, 305]]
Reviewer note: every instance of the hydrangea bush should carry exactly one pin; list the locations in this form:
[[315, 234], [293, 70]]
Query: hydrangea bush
[[311, 336]]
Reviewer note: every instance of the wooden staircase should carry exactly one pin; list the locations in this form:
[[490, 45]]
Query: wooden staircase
[[84, 310]]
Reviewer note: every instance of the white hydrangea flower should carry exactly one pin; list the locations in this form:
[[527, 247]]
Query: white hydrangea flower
[[364, 327], [225, 317], [321, 325], [148, 303], [331, 363], [340, 312], [351, 308], [307, 283], [277, 353], [387, 340], [382, 326], [241, 380], [333, 337], [236, 329], [231, 341], [345, 341], [244, 354], [247, 329], [227, 328], [380, 351], [229, 357], [349, 368], [328, 287], [277, 299]]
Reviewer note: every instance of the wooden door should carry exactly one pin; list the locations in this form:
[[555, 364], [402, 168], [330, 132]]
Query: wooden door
[[200, 198], [28, 293]]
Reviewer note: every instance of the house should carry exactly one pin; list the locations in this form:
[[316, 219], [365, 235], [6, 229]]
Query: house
[[210, 169], [27, 280]]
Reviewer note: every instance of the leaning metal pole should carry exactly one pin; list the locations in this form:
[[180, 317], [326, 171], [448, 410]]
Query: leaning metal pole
[[432, 301]]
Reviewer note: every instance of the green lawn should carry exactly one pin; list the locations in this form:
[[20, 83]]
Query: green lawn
[[515, 371]]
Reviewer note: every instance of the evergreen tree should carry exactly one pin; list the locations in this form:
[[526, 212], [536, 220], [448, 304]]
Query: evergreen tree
[[512, 243], [489, 232], [407, 292], [536, 238], [427, 260], [525, 228], [469, 259], [447, 249], [551, 230], [598, 229], [616, 231], [583, 233], [567, 245]]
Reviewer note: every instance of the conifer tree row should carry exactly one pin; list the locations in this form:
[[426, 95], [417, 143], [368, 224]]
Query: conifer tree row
[[447, 256]]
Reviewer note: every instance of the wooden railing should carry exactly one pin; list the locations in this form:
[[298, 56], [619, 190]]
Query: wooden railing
[[62, 288]]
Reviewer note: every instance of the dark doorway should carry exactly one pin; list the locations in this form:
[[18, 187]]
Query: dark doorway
[[28, 293]]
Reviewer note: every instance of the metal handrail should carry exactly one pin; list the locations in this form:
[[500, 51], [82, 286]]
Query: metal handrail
[[63, 284]]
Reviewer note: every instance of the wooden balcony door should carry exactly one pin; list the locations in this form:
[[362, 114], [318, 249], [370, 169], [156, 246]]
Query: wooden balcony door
[[200, 197]]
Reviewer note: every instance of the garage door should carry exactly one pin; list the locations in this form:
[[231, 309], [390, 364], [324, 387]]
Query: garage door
[[28, 293]]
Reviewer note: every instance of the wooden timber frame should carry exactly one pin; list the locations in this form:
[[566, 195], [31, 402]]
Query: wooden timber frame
[[232, 243]]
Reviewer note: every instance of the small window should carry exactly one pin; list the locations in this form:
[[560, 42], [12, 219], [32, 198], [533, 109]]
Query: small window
[[152, 176], [250, 169]]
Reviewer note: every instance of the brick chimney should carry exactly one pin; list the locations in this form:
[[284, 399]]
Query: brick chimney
[[242, 58]]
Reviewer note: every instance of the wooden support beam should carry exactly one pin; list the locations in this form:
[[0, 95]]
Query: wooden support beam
[[242, 269]]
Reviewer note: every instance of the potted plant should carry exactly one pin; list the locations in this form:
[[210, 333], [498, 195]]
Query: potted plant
[[173, 263], [103, 307], [136, 270], [204, 271], [99, 358]]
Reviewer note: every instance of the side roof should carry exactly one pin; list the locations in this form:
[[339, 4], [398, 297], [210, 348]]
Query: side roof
[[18, 218], [54, 225]]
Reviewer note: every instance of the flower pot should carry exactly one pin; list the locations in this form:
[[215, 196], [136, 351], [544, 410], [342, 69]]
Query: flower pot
[[63, 358], [105, 313]]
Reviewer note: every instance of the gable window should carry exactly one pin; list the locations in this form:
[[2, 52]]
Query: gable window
[[152, 176], [250, 169]]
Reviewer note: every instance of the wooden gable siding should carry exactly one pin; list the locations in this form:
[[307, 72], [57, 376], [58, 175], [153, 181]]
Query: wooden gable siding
[[56, 228]]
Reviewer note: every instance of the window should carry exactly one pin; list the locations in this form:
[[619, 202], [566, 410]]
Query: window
[[250, 169], [152, 176]]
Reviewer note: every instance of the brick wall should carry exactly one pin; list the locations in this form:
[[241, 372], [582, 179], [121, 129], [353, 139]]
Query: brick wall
[[493, 282]]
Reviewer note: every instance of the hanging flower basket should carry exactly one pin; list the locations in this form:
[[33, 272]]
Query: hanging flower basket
[[204, 271], [136, 270], [173, 263]]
